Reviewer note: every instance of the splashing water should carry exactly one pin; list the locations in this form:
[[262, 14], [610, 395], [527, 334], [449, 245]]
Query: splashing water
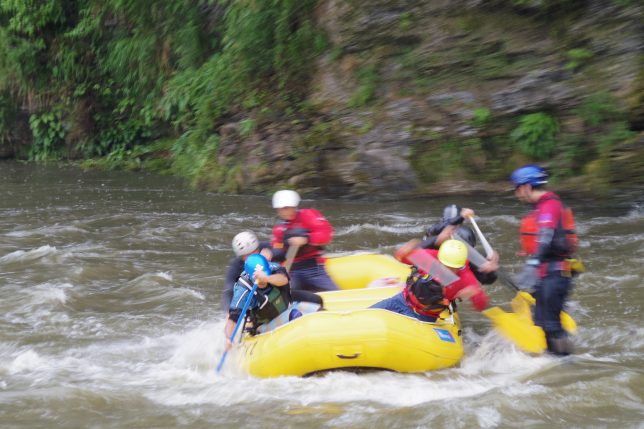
[[110, 315]]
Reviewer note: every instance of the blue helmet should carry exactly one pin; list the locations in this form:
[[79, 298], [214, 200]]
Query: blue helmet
[[530, 174], [256, 262]]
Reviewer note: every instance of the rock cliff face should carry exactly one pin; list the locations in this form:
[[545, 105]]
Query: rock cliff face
[[433, 96]]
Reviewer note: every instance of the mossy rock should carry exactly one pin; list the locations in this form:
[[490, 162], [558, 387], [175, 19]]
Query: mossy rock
[[627, 162], [597, 176]]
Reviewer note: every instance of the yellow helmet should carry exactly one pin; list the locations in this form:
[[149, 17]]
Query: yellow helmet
[[453, 254]]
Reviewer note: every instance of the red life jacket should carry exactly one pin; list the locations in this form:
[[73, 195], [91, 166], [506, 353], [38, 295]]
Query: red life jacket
[[433, 310], [565, 241]]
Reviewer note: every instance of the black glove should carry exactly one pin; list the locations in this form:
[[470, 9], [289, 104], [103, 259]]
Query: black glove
[[295, 232], [456, 220], [435, 229]]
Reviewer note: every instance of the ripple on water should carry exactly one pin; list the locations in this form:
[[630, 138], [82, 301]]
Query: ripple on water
[[109, 302]]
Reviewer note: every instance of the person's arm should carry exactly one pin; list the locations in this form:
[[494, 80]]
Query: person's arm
[[467, 287], [547, 220], [320, 229], [548, 217], [228, 331], [277, 243], [476, 295], [486, 278], [404, 250], [429, 243], [276, 279], [490, 267]]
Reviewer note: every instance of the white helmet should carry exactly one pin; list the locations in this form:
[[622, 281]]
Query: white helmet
[[285, 198], [244, 243]]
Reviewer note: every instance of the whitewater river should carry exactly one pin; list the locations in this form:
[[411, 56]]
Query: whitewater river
[[110, 315]]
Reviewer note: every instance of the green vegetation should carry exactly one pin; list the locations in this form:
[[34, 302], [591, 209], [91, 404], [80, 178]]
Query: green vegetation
[[577, 57], [367, 84], [535, 135], [106, 76], [606, 123], [49, 136], [176, 86], [482, 117]]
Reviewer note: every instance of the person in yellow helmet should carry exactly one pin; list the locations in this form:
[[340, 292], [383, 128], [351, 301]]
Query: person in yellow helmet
[[453, 255]]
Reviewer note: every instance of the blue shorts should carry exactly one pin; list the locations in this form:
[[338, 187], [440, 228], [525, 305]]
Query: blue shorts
[[398, 305], [311, 278]]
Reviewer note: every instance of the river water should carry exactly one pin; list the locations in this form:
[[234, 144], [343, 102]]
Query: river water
[[110, 315]]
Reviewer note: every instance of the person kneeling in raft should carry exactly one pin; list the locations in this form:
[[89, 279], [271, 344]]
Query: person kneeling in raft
[[421, 298]]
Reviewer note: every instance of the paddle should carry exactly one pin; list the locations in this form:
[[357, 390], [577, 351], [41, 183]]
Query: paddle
[[514, 326], [290, 256], [431, 266], [520, 330], [484, 242], [519, 307], [242, 316]]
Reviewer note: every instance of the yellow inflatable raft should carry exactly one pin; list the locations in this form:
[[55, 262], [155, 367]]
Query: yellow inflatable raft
[[349, 335]]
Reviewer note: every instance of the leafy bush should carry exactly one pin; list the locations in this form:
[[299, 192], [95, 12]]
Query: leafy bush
[[367, 82], [137, 69], [482, 117], [48, 134], [535, 135], [577, 57], [246, 127], [600, 108]]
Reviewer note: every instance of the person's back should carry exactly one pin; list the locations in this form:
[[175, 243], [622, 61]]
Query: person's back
[[453, 255], [234, 270], [307, 229], [272, 296], [422, 298], [264, 302]]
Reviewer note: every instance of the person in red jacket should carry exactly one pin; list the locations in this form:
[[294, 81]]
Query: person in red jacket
[[548, 240], [310, 231], [453, 255]]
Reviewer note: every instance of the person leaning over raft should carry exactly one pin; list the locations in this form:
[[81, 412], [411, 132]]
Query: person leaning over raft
[[548, 240], [272, 296], [309, 230], [244, 244], [420, 298], [452, 224]]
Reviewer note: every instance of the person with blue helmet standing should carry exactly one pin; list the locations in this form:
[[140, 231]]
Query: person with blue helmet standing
[[548, 242]]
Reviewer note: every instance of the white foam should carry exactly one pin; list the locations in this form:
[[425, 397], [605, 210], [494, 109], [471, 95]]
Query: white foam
[[48, 231], [25, 361], [49, 293], [392, 229], [27, 256]]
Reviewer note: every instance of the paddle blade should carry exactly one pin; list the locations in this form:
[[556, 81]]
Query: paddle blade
[[568, 323], [514, 327]]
